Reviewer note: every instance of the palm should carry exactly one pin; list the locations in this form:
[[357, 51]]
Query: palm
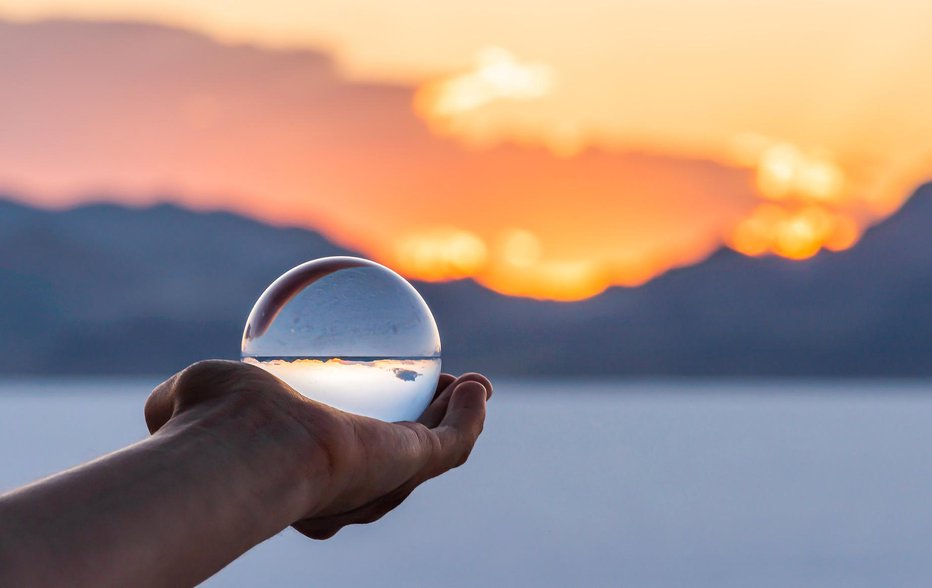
[[406, 455], [372, 466]]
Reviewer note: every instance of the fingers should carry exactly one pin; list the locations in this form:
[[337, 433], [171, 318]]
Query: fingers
[[457, 416], [442, 383], [445, 435], [437, 409], [438, 406], [463, 423]]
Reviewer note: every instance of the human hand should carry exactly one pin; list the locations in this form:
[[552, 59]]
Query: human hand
[[352, 469]]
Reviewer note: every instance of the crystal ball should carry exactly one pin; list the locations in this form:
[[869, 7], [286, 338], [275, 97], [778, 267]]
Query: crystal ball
[[350, 333]]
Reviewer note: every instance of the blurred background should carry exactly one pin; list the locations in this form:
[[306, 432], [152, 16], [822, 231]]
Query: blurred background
[[689, 240]]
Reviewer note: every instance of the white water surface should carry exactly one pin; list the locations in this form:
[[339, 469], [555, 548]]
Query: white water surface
[[644, 484]]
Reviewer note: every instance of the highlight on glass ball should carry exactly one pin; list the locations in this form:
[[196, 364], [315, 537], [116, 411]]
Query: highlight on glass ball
[[350, 333]]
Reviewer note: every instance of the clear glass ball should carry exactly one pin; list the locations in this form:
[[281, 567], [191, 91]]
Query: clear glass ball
[[350, 333]]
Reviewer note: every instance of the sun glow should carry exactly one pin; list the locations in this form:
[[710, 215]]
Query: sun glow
[[602, 146], [440, 253], [795, 234], [809, 199], [563, 280]]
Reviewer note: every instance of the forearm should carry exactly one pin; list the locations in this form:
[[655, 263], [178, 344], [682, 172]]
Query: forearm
[[170, 510]]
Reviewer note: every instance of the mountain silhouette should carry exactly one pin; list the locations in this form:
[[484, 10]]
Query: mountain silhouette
[[105, 289]]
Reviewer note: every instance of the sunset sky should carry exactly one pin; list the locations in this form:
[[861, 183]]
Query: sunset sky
[[545, 149]]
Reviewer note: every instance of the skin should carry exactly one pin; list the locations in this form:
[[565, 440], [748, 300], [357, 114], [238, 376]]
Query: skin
[[235, 457]]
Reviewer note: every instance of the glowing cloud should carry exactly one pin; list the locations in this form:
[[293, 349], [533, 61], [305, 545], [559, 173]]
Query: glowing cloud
[[496, 76], [459, 105], [440, 253], [553, 171], [796, 234]]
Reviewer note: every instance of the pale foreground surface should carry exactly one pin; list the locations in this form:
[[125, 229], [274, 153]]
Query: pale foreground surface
[[601, 484]]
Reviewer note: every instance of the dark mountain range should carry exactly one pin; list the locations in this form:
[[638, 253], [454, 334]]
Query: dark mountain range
[[104, 289]]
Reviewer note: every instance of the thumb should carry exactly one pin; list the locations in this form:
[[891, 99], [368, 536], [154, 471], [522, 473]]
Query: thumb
[[462, 424]]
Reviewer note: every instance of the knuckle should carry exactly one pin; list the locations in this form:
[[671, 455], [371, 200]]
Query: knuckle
[[195, 376], [201, 368], [211, 378]]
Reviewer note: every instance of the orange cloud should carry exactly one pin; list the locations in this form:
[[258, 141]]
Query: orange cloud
[[145, 113], [817, 200]]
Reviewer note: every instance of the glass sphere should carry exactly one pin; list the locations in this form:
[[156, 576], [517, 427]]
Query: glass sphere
[[350, 333]]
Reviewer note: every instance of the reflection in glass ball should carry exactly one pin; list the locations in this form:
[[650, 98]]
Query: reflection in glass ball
[[350, 333]]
